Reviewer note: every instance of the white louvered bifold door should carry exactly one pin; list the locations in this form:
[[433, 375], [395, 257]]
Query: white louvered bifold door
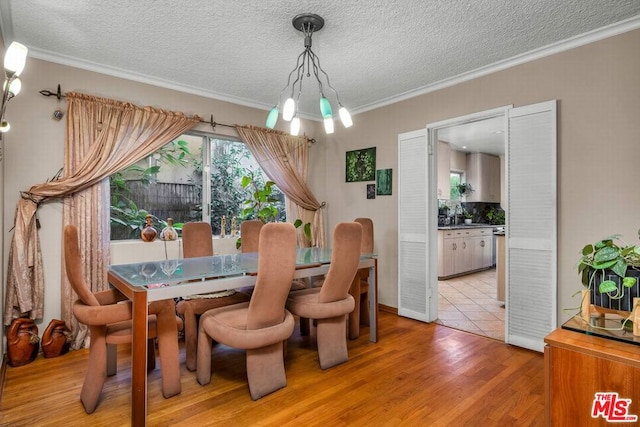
[[413, 225], [531, 294]]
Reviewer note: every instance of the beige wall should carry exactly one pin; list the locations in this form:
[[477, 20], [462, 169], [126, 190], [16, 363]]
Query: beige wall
[[598, 91], [597, 87]]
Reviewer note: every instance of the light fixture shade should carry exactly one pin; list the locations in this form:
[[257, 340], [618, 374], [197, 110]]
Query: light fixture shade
[[345, 117], [15, 58], [325, 108], [5, 126], [14, 86], [272, 118], [295, 126], [289, 109], [328, 125]]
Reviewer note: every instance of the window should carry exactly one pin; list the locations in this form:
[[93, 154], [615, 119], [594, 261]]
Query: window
[[194, 171], [456, 180]]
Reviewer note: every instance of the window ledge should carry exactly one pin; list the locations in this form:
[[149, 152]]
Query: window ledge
[[130, 251]]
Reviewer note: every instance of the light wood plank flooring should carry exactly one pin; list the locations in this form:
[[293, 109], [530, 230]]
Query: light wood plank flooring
[[469, 303], [417, 374]]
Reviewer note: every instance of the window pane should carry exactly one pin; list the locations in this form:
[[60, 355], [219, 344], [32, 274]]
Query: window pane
[[456, 179], [162, 185], [169, 184], [231, 162]]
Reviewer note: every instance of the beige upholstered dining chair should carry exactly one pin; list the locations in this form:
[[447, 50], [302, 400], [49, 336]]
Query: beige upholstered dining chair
[[330, 303], [250, 234], [261, 325], [360, 287], [197, 241], [108, 316]]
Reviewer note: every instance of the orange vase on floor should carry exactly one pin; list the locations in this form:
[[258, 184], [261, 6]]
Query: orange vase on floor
[[22, 341], [56, 339]]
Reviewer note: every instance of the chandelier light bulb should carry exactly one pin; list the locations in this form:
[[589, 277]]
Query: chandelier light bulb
[[15, 58], [345, 117], [295, 126], [272, 118], [328, 125], [325, 108], [5, 126], [14, 86], [289, 109]]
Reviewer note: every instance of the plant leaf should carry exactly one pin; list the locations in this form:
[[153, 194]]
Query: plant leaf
[[607, 286], [604, 265], [587, 250], [620, 267], [606, 253], [629, 282]]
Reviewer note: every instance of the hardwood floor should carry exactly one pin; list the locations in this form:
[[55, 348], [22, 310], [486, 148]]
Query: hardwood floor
[[417, 374]]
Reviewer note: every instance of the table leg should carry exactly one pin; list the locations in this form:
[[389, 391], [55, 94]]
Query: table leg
[[373, 302], [139, 360]]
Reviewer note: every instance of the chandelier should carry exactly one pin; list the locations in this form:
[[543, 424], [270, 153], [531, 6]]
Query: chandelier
[[14, 61], [307, 64]]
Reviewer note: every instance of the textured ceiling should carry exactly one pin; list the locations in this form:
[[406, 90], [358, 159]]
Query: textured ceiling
[[375, 51]]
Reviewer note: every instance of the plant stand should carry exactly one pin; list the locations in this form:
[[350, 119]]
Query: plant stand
[[589, 310]]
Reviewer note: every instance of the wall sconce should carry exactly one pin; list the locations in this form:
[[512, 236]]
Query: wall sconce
[[14, 61], [307, 65]]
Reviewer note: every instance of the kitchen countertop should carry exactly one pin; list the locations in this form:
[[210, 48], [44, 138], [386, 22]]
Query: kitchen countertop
[[459, 226]]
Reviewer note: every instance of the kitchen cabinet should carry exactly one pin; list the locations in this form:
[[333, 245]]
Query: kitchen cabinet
[[481, 251], [483, 173], [444, 170], [464, 249], [578, 367]]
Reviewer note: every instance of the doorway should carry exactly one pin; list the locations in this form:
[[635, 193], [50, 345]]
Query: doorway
[[531, 230], [469, 300]]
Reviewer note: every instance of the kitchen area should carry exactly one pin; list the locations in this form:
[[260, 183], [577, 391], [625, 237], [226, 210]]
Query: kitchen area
[[471, 228]]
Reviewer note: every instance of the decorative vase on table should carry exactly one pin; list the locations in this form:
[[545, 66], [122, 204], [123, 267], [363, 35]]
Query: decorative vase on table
[[148, 233], [169, 233]]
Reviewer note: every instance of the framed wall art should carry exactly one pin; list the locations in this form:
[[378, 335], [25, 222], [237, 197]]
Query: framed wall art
[[371, 191], [361, 165], [384, 182]]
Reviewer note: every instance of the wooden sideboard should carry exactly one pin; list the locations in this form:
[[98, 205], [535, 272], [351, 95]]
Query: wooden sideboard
[[579, 365]]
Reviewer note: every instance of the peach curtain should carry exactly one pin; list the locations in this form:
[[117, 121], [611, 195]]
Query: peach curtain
[[284, 158], [102, 137]]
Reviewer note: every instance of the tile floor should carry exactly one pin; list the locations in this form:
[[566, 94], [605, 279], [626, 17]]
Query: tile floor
[[469, 303]]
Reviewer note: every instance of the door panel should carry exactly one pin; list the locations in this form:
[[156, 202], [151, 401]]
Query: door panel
[[415, 228], [531, 295]]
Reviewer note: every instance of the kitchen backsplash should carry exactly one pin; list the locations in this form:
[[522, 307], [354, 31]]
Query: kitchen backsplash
[[485, 213]]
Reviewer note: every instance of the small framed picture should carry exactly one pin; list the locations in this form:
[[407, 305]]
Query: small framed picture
[[383, 182], [371, 191]]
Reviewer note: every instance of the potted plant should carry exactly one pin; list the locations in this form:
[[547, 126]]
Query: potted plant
[[609, 271], [468, 217], [495, 216], [262, 205], [464, 188]]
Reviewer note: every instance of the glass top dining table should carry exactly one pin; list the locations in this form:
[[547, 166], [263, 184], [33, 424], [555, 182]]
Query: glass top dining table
[[158, 280]]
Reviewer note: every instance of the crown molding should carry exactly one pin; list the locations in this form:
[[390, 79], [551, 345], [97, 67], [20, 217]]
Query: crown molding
[[564, 45]]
